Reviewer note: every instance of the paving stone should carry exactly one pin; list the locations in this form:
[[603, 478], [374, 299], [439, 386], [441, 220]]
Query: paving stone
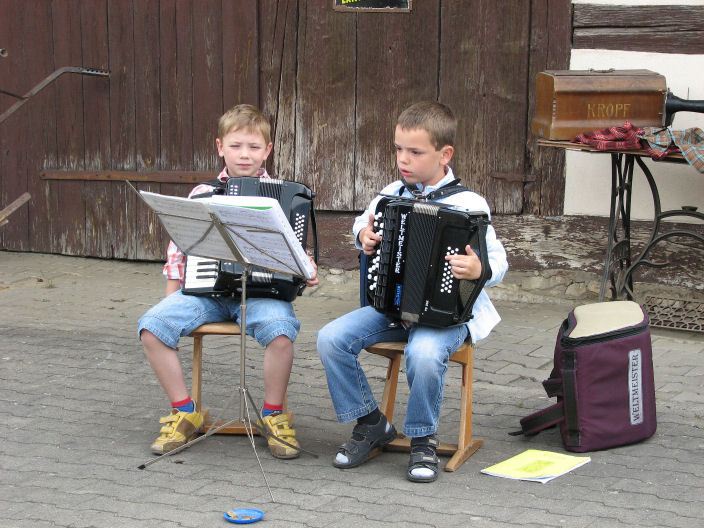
[[82, 406]]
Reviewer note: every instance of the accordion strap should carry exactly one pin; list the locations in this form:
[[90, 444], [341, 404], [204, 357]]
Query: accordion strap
[[216, 184], [448, 189]]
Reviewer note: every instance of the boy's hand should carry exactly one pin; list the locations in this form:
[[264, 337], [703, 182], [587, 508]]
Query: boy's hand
[[467, 266], [368, 238], [313, 281]]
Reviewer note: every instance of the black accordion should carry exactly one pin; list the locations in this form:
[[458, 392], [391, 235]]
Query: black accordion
[[408, 278], [205, 276]]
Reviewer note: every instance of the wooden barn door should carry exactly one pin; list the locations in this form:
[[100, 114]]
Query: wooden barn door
[[334, 83]]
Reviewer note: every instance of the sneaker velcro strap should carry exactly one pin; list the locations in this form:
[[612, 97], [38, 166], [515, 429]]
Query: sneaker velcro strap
[[278, 419], [167, 429], [285, 432]]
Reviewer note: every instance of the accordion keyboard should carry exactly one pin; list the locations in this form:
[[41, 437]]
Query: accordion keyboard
[[201, 273]]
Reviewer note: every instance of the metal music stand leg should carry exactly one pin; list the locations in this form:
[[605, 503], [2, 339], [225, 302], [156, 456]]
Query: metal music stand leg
[[244, 412], [243, 342]]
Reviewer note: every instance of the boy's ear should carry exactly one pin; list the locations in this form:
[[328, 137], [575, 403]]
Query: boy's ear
[[218, 144], [446, 154], [268, 149]]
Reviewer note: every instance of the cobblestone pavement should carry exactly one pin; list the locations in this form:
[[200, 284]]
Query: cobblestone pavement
[[82, 407]]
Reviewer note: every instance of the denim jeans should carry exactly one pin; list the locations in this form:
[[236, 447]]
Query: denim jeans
[[427, 354], [178, 315]]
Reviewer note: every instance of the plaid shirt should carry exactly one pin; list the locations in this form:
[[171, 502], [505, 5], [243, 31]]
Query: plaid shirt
[[175, 265]]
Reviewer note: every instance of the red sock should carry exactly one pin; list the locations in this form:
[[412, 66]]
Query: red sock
[[270, 409], [186, 405]]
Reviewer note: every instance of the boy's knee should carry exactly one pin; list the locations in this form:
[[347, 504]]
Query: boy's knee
[[277, 330], [280, 343], [149, 340], [146, 337], [326, 340], [424, 355]]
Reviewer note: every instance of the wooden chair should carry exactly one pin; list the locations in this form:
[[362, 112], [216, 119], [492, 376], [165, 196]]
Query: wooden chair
[[224, 328], [466, 445]]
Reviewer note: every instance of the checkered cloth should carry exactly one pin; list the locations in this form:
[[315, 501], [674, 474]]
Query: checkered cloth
[[663, 141], [623, 137], [657, 142]]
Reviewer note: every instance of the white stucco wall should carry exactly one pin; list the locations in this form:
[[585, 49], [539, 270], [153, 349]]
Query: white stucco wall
[[588, 176]]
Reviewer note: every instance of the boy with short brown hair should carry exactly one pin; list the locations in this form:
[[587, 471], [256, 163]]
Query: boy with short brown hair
[[424, 142], [244, 143]]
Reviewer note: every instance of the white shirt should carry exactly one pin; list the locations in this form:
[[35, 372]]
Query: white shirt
[[485, 315]]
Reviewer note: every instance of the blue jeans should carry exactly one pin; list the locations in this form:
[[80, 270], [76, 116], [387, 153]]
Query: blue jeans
[[427, 353], [178, 315]]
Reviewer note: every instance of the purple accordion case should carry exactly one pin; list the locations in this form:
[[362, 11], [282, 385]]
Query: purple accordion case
[[602, 378]]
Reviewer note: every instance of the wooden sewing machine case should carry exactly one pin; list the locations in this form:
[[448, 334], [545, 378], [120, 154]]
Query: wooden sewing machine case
[[570, 102]]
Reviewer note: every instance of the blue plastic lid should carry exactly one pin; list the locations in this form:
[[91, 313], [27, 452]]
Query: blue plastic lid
[[243, 516]]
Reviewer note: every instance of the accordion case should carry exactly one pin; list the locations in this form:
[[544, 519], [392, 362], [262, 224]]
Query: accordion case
[[408, 277], [602, 378]]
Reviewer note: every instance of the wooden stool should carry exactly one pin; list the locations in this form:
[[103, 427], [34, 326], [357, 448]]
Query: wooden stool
[[466, 445], [224, 328]]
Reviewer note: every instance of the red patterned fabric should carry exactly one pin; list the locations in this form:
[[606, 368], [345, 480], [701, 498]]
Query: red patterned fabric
[[624, 137]]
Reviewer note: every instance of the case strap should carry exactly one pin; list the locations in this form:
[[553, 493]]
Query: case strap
[[553, 387], [536, 422], [569, 383]]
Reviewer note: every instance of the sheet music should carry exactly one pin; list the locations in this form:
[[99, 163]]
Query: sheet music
[[257, 227]]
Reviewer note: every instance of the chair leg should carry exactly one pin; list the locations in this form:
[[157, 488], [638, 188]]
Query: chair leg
[[388, 399], [197, 391], [196, 377], [466, 445]]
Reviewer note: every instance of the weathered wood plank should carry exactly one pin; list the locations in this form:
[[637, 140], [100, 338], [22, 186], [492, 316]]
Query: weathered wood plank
[[278, 26], [671, 29], [240, 37], [397, 67], [283, 161], [175, 23], [133, 176], [14, 130], [146, 231], [324, 110], [485, 83], [550, 39], [207, 82], [121, 223], [534, 243], [579, 243], [66, 208], [96, 116], [39, 53]]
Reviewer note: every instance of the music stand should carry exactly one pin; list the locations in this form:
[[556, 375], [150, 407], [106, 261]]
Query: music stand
[[232, 228]]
